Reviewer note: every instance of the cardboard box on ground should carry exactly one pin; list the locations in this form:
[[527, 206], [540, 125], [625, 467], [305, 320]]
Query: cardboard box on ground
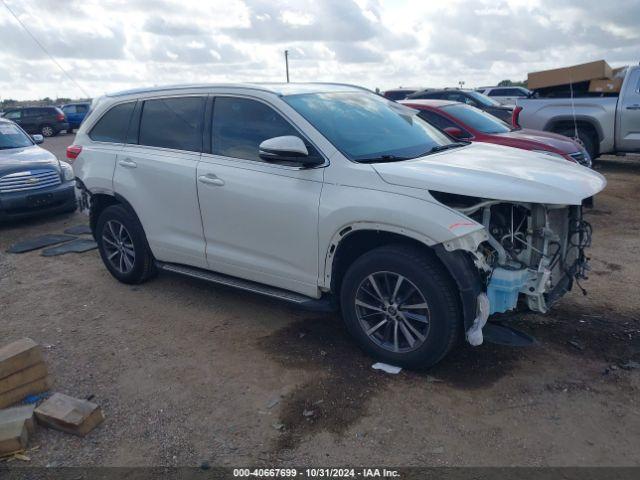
[[591, 77], [23, 373]]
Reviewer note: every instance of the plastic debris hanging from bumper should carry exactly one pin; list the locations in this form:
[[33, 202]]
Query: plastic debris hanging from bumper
[[474, 334]]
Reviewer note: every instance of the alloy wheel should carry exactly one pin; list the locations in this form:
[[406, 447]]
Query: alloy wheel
[[47, 131], [392, 312], [118, 246]]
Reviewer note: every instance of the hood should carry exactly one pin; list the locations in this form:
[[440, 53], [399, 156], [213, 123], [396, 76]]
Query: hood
[[538, 139], [16, 159], [496, 172]]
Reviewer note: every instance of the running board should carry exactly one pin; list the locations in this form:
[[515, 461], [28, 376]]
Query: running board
[[324, 304]]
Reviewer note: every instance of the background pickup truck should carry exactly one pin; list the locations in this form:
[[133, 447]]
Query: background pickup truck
[[606, 124]]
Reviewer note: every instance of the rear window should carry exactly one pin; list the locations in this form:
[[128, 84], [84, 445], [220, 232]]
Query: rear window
[[69, 109], [173, 123], [112, 127]]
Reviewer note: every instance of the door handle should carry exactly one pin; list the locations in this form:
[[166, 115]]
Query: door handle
[[211, 179], [128, 163], [633, 107]]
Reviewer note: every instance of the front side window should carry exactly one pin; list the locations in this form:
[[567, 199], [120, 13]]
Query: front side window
[[240, 125], [112, 127], [12, 137], [477, 119], [366, 127], [173, 123], [81, 108]]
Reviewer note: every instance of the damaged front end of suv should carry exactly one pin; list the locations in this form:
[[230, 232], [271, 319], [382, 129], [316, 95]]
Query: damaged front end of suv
[[528, 254]]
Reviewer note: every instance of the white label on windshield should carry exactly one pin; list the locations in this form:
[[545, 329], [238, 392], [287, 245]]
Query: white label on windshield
[[8, 129]]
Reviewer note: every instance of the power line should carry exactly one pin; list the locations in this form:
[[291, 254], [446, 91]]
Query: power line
[[45, 50]]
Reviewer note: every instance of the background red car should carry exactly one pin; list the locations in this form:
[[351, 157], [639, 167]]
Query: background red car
[[465, 122]]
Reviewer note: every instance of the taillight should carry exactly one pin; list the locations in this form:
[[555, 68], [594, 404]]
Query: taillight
[[73, 151], [60, 117], [515, 117]]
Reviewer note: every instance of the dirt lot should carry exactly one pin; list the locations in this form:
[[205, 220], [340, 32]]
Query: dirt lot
[[188, 372]]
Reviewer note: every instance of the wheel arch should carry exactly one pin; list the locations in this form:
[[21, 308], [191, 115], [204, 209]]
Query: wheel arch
[[567, 121], [100, 201], [355, 239], [352, 241], [587, 125]]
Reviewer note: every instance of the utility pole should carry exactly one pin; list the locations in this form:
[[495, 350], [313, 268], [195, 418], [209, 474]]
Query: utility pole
[[286, 63]]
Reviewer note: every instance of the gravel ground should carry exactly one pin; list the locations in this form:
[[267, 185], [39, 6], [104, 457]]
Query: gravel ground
[[187, 372]]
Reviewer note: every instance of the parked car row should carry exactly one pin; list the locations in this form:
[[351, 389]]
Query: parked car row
[[332, 197], [48, 121], [465, 122]]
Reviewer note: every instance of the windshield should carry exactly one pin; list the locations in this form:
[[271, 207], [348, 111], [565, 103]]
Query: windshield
[[12, 137], [477, 119], [367, 127], [483, 99]]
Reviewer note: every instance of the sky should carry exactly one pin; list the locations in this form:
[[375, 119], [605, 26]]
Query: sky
[[111, 45]]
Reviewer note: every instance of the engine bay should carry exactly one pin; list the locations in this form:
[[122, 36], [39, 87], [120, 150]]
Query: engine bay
[[533, 253]]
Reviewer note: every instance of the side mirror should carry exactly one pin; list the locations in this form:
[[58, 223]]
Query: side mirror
[[455, 132], [38, 139], [288, 148]]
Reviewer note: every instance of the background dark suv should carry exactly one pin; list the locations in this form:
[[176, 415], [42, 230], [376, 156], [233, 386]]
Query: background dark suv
[[48, 121], [470, 97]]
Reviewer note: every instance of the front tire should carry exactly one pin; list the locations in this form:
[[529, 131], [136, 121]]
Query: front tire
[[401, 306], [123, 246]]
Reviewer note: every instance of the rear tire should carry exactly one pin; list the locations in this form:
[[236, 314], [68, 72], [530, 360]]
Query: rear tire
[[584, 138], [47, 131], [123, 246], [378, 317]]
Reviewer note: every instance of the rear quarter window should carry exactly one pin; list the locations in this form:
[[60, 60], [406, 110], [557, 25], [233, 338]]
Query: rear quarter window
[[112, 126]]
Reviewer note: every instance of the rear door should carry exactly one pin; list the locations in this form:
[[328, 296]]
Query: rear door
[[30, 120], [156, 174], [628, 121], [260, 219]]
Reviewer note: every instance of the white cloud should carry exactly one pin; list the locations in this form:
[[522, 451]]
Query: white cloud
[[115, 44]]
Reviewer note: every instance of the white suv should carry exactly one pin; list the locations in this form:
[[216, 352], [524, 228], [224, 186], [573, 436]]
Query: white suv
[[331, 196], [505, 95]]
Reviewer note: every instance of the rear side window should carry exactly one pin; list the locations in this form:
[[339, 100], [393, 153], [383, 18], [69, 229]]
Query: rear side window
[[173, 123], [13, 114], [240, 125], [112, 127]]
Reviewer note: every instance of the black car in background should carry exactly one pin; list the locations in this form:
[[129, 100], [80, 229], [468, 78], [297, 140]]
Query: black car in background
[[399, 93], [47, 121], [470, 97]]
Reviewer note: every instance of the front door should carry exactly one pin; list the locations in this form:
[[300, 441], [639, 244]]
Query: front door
[[260, 219], [628, 137]]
